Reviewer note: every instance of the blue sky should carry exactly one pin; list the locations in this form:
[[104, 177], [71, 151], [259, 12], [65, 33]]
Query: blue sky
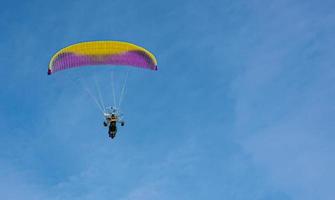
[[242, 106]]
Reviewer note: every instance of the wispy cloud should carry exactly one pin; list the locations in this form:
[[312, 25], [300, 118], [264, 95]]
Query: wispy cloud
[[285, 101]]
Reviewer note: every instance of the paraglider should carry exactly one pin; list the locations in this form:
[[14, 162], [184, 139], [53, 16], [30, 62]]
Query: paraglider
[[112, 117], [107, 53]]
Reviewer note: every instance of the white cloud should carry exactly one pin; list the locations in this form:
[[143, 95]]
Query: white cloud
[[285, 101]]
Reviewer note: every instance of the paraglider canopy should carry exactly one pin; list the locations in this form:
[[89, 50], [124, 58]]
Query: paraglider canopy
[[102, 53]]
